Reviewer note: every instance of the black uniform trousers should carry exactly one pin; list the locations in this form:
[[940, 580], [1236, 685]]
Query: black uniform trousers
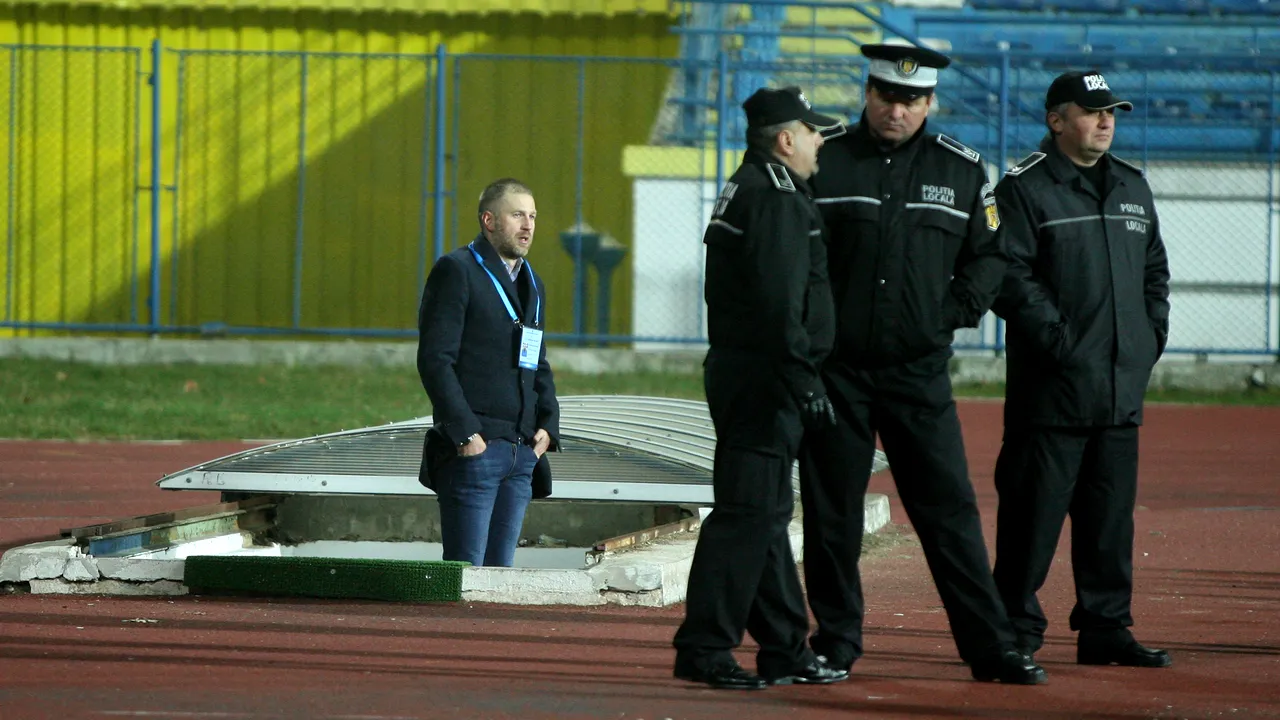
[[912, 408], [1042, 475], [743, 575]]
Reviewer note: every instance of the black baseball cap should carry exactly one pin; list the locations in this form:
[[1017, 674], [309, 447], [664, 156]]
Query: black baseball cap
[[774, 106], [1088, 89]]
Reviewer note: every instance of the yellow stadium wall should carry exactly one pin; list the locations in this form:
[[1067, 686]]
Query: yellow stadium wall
[[77, 156]]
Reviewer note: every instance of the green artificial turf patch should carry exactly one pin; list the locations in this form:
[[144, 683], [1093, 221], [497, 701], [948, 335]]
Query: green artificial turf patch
[[395, 580]]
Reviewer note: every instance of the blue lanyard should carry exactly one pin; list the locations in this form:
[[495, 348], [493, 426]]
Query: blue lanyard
[[537, 312]]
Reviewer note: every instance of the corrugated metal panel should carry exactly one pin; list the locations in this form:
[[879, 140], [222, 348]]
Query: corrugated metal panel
[[609, 440], [231, 146]]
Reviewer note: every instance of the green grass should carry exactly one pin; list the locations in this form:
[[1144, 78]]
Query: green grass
[[1250, 396], [51, 399]]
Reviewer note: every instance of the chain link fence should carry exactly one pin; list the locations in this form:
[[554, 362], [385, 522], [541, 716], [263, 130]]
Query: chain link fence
[[301, 199], [308, 193], [1208, 142], [72, 149]]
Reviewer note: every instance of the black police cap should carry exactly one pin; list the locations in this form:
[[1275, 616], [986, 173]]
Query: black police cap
[[770, 106], [1088, 89]]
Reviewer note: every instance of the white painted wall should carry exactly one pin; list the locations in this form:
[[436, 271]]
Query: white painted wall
[[670, 216]]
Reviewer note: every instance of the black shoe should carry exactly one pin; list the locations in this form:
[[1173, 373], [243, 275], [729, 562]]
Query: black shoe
[[817, 672], [1028, 646], [837, 662], [1126, 651], [1009, 667], [837, 655], [724, 674]]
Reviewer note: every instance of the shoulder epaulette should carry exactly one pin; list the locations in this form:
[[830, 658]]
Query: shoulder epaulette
[[959, 148], [831, 133], [1025, 163], [780, 177], [1129, 165]]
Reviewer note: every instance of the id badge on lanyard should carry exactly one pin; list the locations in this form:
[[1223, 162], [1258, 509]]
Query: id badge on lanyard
[[529, 346]]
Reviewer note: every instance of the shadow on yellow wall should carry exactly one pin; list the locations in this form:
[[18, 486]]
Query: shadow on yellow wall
[[231, 143]]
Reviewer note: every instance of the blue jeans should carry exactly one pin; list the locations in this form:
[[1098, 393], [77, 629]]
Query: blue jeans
[[482, 503]]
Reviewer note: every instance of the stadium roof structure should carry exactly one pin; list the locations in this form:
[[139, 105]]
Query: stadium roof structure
[[613, 448]]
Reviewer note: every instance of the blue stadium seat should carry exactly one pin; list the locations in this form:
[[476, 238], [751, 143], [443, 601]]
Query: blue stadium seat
[[1169, 108], [1168, 139], [996, 46], [1246, 7], [1006, 4], [1171, 7], [1238, 110], [1087, 6]]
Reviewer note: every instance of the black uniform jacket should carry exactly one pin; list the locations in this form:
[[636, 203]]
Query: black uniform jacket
[[767, 293], [912, 245], [1086, 295], [467, 344]]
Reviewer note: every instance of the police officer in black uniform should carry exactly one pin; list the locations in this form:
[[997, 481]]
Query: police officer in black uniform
[[913, 255], [1086, 300], [770, 325]]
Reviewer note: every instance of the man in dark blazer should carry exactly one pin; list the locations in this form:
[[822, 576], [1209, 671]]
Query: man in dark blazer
[[484, 367]]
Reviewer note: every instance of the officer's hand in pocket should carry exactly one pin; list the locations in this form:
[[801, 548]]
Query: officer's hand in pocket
[[817, 412]]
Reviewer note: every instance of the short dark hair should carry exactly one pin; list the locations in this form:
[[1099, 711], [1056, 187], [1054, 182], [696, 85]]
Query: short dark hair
[[1060, 109], [887, 89], [762, 139], [497, 190]]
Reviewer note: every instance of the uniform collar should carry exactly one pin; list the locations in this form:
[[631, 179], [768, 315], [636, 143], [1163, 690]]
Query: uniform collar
[[753, 157], [863, 134], [1064, 171]]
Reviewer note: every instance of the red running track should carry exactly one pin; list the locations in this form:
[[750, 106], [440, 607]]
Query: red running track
[[1208, 589]]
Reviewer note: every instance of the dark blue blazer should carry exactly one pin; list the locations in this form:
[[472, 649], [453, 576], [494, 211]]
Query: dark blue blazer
[[467, 345]]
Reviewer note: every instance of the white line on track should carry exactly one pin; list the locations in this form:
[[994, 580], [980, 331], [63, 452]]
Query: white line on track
[[252, 716]]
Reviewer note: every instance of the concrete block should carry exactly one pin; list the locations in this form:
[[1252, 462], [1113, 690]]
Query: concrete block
[[628, 573], [977, 370], [81, 569], [37, 561], [875, 513], [143, 570], [530, 586], [59, 586]]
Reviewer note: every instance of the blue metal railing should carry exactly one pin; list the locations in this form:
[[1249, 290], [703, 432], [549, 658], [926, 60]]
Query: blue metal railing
[[1007, 126]]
